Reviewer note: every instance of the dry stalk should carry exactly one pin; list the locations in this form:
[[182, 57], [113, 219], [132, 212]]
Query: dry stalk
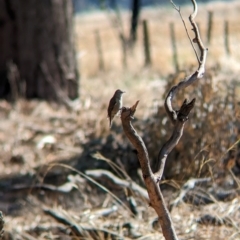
[[178, 118]]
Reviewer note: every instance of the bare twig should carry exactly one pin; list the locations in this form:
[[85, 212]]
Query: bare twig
[[142, 153], [184, 24], [197, 38], [85, 232], [99, 174], [182, 117], [178, 118], [118, 169], [198, 41], [66, 219]]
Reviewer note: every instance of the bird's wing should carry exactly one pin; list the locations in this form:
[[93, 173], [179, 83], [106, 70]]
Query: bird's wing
[[111, 106]]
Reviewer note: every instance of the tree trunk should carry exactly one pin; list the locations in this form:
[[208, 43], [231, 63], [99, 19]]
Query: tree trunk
[[37, 36]]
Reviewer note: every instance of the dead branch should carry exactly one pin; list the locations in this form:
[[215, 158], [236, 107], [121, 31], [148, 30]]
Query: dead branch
[[178, 118], [155, 195], [184, 24], [85, 232], [65, 219], [181, 118], [65, 188], [99, 174]]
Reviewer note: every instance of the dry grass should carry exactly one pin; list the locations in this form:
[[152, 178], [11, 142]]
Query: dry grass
[[211, 131], [158, 20]]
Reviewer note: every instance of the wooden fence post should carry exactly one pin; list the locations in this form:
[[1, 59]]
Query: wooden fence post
[[99, 50], [226, 37], [146, 44], [124, 49], [209, 27], [174, 47]]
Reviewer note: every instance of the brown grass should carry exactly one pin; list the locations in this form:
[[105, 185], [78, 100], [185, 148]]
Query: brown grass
[[159, 20]]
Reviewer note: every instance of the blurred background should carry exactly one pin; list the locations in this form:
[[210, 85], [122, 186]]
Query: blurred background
[[60, 63]]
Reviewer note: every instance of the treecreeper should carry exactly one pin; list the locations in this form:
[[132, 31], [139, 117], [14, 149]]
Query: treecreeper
[[115, 105]]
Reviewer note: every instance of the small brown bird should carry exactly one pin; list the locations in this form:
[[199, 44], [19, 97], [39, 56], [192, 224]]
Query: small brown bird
[[115, 105]]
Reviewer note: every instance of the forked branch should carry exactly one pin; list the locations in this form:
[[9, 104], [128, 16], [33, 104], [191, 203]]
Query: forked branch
[[155, 195], [142, 153], [178, 118], [174, 114], [181, 118]]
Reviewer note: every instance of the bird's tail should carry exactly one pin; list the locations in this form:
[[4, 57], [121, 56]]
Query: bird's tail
[[110, 122]]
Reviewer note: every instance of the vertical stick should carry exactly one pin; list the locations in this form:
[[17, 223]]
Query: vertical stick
[[209, 28], [174, 47], [226, 37], [124, 49], [99, 50], [146, 44]]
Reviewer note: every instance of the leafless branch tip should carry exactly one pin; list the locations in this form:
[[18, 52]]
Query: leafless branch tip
[[127, 112], [184, 24]]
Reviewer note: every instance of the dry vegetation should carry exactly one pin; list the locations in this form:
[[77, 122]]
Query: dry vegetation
[[46, 149], [159, 38]]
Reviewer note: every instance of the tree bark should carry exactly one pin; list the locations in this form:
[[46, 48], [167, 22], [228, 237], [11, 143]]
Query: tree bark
[[34, 34]]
